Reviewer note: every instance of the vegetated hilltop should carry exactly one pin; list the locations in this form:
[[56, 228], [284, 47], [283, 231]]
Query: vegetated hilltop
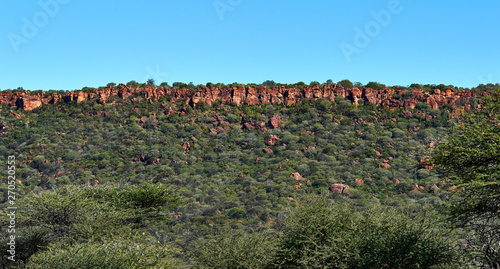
[[237, 137], [239, 157]]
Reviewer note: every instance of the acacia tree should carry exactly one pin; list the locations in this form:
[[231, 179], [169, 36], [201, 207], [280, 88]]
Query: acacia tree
[[269, 83], [323, 234], [92, 227], [470, 159], [150, 82]]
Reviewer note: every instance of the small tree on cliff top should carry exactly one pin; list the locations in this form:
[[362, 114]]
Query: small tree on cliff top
[[150, 82], [345, 83], [269, 83]]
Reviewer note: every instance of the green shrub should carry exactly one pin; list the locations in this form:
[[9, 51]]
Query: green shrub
[[237, 212], [324, 235], [236, 250], [118, 254]]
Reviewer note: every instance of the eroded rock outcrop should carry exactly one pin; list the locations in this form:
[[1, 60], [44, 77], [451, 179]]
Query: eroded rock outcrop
[[391, 97], [275, 121], [271, 140], [339, 188], [30, 102]]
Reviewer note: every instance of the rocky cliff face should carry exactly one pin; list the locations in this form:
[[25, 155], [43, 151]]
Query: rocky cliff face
[[251, 96]]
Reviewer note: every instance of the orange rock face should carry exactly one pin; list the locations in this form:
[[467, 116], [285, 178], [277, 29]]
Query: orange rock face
[[248, 95], [30, 102]]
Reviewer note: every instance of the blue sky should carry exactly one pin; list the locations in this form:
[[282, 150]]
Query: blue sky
[[69, 44]]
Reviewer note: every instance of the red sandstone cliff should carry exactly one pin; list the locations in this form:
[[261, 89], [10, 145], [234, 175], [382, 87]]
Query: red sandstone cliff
[[248, 95]]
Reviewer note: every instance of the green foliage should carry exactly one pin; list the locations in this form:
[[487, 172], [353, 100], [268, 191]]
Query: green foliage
[[138, 253], [375, 85], [133, 84], [145, 197], [150, 82], [28, 241], [301, 84], [470, 158], [237, 213], [314, 83], [324, 235], [269, 83], [179, 85], [66, 213], [345, 83], [236, 250], [213, 156], [415, 86], [68, 227]]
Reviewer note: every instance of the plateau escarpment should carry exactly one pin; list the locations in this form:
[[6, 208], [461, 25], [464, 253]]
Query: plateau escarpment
[[246, 95]]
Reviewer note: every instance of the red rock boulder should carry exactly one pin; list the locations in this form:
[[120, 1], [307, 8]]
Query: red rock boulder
[[267, 150], [275, 121], [339, 188], [271, 140]]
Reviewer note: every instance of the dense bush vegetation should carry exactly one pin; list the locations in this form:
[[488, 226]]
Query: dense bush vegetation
[[85, 226], [321, 234]]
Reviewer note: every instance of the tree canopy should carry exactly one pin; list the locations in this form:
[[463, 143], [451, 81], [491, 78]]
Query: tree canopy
[[470, 159]]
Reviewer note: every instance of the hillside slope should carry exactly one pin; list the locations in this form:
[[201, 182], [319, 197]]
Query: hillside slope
[[235, 165]]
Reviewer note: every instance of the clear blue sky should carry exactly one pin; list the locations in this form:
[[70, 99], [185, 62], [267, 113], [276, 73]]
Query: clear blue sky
[[69, 44]]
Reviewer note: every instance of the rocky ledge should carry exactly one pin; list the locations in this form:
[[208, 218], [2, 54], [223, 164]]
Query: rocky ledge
[[390, 97]]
